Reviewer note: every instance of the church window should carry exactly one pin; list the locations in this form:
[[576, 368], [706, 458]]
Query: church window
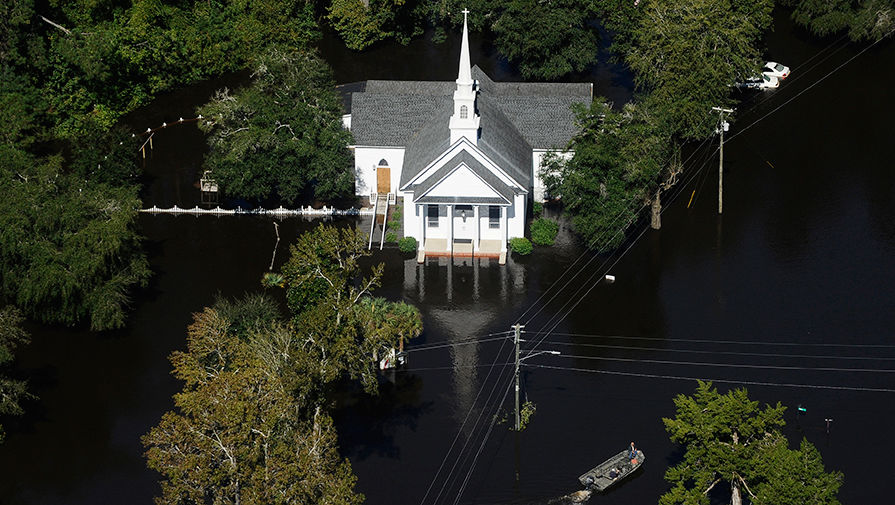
[[493, 217], [464, 112], [383, 163], [432, 216]]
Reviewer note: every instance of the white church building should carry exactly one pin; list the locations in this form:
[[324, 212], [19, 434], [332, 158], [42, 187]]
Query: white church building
[[462, 157]]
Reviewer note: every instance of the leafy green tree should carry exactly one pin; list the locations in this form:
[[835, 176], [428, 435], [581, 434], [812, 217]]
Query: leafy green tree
[[863, 19], [11, 336], [330, 296], [69, 250], [686, 55], [281, 135], [619, 158], [730, 439], [543, 231], [249, 426], [547, 39], [363, 23]]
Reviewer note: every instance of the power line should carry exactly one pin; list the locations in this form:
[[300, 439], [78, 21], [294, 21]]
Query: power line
[[460, 430], [728, 365], [472, 340], [723, 381], [726, 342], [726, 353], [815, 83]]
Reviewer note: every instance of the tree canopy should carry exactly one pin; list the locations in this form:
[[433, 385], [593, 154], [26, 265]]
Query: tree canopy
[[862, 19], [618, 158], [282, 134], [728, 438], [251, 425]]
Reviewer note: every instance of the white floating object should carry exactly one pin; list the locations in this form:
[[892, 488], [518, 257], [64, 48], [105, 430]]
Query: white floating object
[[610, 278], [164, 125]]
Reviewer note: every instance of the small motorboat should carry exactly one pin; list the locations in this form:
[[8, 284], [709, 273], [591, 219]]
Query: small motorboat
[[612, 471]]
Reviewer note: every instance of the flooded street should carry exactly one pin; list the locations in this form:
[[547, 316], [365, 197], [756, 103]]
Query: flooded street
[[795, 273]]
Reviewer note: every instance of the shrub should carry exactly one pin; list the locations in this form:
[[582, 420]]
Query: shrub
[[537, 209], [391, 237], [397, 214], [543, 231], [520, 245], [407, 244], [393, 225]]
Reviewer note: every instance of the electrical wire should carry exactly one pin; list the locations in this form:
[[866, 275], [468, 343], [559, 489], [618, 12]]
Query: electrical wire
[[815, 83], [460, 430], [725, 353], [725, 342], [729, 365], [472, 340], [723, 381]]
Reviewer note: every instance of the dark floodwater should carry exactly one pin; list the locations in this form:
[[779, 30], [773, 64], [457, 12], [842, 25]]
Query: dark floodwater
[[801, 255]]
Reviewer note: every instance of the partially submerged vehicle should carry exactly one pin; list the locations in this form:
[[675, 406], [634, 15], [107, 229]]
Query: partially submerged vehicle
[[612, 471]]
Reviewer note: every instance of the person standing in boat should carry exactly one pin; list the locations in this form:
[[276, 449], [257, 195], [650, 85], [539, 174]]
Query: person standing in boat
[[632, 452]]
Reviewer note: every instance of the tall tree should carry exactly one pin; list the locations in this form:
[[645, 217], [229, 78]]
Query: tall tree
[[345, 330], [249, 427], [686, 55], [730, 439], [619, 158], [863, 19], [69, 249], [282, 134], [11, 336], [547, 39]]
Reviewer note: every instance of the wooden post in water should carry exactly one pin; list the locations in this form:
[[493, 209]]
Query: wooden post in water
[[517, 328]]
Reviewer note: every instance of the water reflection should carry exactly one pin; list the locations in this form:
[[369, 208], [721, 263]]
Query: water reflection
[[450, 292]]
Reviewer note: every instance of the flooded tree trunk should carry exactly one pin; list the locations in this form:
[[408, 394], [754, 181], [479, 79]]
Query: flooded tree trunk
[[735, 498], [656, 221]]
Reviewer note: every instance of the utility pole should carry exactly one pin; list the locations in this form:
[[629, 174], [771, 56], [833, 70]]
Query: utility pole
[[517, 328], [721, 129]]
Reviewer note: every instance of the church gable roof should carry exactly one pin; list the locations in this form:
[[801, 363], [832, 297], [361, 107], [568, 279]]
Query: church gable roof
[[503, 144], [460, 165], [390, 119]]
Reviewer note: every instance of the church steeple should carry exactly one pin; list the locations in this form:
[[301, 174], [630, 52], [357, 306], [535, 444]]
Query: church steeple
[[465, 121]]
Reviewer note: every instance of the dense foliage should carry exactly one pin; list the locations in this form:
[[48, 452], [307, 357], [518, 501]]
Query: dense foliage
[[862, 19], [619, 157], [252, 423], [545, 39], [687, 53], [282, 135], [543, 231], [521, 246], [11, 336], [68, 72], [408, 244], [728, 438], [249, 426]]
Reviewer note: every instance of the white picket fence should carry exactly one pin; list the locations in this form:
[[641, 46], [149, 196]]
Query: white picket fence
[[279, 211]]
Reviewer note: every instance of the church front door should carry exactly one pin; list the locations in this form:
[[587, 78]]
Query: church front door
[[464, 225], [383, 180]]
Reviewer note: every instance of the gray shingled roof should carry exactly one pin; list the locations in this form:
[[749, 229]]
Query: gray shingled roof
[[430, 141], [514, 115], [477, 168], [501, 142]]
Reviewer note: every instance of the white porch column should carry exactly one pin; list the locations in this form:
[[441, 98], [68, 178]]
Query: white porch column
[[475, 242], [450, 234], [423, 217], [503, 228]]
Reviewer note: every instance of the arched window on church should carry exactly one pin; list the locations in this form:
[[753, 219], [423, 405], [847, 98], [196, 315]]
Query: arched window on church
[[383, 163], [464, 111]]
